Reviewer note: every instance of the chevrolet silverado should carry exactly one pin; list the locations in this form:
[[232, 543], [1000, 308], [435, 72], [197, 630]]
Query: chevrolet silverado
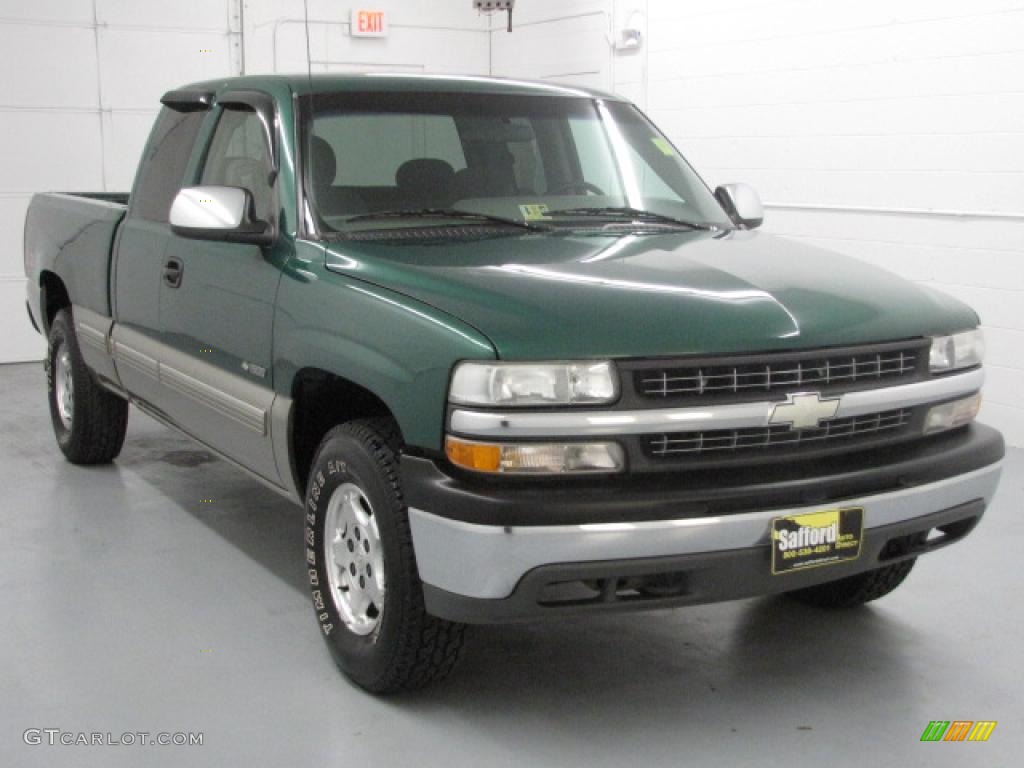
[[511, 355]]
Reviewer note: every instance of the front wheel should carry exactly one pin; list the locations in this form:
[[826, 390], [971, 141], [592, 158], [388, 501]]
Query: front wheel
[[362, 569], [855, 590], [88, 421]]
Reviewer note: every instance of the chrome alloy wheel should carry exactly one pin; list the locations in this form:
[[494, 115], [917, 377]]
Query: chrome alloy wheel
[[354, 559], [64, 386]]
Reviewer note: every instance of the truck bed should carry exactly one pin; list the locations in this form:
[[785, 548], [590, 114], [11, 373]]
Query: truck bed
[[71, 234]]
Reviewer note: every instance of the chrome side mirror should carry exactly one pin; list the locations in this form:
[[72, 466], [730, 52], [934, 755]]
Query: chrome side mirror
[[742, 203], [218, 213]]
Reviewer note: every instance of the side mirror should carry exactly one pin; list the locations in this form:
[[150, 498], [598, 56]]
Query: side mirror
[[218, 213], [742, 203]]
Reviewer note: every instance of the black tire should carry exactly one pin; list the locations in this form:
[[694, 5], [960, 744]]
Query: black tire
[[98, 420], [407, 648], [855, 590]]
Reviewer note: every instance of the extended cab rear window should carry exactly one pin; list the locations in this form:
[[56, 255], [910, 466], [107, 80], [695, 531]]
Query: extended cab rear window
[[163, 164]]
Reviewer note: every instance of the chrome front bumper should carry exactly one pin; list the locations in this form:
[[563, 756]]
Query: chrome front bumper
[[483, 562]]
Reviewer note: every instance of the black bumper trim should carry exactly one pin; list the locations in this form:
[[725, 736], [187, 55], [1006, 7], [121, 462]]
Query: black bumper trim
[[438, 489], [701, 578]]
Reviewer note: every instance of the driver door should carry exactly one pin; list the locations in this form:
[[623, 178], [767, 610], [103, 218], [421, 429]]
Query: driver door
[[217, 310]]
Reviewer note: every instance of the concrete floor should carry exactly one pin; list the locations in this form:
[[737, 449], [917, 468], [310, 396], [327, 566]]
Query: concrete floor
[[165, 593]]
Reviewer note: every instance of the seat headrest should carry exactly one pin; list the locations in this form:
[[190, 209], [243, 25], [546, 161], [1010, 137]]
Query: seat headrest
[[424, 175], [323, 162]]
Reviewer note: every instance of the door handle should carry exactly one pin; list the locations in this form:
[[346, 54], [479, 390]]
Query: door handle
[[173, 271]]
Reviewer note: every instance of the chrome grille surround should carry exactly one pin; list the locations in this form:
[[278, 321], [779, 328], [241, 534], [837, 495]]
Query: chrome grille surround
[[720, 413], [621, 421]]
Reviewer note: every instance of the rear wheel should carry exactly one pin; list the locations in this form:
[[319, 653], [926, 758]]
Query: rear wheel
[[88, 421], [362, 569], [855, 590]]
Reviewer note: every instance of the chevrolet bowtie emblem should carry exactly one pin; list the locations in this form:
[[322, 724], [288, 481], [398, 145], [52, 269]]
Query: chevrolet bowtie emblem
[[804, 411]]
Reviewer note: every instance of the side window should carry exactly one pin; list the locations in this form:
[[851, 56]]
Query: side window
[[163, 166], [238, 157]]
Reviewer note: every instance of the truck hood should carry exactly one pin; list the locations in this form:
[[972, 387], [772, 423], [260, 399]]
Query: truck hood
[[541, 296]]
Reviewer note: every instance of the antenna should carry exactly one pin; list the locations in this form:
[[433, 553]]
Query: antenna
[[306, 210], [309, 57]]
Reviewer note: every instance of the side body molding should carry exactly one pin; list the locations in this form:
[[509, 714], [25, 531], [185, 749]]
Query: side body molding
[[221, 409], [235, 417]]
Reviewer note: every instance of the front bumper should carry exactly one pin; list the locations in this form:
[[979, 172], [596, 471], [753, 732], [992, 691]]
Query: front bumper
[[496, 571]]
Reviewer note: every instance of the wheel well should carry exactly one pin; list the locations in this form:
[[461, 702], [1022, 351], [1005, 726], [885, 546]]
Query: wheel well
[[53, 297], [322, 401]]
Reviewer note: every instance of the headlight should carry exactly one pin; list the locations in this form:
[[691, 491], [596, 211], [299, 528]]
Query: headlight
[[516, 384], [952, 415], [535, 458], [961, 350]]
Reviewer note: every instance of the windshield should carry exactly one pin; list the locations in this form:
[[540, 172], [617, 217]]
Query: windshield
[[393, 159]]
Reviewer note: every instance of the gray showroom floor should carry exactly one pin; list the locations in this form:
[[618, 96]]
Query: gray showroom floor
[[165, 593]]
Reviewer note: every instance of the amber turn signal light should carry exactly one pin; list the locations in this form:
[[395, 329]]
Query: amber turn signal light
[[535, 458], [482, 457]]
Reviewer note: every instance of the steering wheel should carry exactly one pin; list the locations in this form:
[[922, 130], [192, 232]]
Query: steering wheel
[[577, 186]]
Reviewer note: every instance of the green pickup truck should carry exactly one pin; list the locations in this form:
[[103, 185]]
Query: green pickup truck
[[511, 354]]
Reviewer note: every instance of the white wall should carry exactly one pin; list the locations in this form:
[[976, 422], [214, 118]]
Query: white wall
[[425, 36], [82, 81], [560, 41]]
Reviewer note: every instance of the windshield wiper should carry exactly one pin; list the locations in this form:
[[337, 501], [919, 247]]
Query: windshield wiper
[[442, 213], [632, 214]]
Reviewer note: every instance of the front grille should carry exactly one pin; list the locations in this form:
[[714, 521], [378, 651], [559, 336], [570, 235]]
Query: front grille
[[749, 440], [771, 373]]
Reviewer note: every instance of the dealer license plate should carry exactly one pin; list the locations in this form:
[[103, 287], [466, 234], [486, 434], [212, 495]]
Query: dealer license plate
[[816, 538]]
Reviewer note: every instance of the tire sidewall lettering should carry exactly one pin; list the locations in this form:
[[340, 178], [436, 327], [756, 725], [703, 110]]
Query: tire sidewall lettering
[[336, 472]]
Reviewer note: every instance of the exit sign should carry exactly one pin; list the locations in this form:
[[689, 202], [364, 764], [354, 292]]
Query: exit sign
[[369, 23]]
